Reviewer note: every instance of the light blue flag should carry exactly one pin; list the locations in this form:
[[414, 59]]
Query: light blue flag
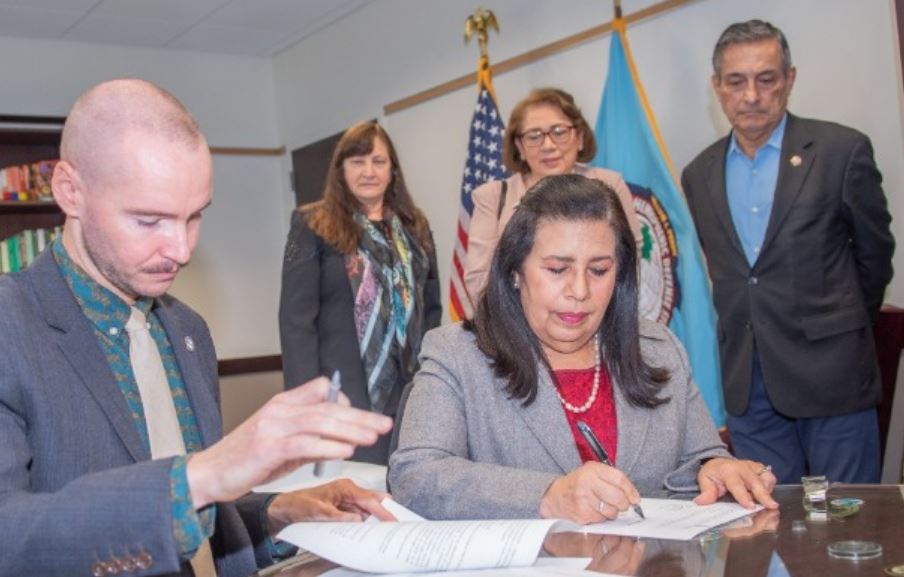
[[674, 286]]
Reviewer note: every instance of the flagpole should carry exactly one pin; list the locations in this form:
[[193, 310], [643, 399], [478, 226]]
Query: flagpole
[[479, 23], [630, 143], [616, 4], [483, 163]]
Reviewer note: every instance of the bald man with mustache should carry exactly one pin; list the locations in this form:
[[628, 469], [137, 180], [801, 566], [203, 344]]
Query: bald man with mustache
[[112, 459]]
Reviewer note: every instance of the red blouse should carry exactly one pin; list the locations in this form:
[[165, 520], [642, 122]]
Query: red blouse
[[575, 386]]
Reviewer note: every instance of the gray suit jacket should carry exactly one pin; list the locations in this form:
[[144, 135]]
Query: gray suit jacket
[[76, 482], [467, 450], [805, 304]]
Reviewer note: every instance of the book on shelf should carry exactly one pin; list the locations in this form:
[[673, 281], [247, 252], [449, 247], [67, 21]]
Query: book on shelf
[[41, 234], [28, 182], [4, 257], [29, 240], [13, 245], [20, 250]]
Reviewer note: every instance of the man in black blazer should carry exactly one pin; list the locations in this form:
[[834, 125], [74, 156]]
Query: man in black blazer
[[793, 221]]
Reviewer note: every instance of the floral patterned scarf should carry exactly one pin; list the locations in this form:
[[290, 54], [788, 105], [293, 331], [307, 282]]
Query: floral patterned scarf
[[388, 307]]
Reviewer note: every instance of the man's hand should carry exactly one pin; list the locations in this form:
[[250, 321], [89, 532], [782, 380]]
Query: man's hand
[[340, 500], [747, 481], [294, 428]]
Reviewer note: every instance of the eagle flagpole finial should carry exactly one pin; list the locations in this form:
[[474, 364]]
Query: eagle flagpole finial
[[480, 23]]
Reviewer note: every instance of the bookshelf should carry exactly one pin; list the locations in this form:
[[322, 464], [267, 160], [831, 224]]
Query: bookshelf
[[25, 140], [18, 216]]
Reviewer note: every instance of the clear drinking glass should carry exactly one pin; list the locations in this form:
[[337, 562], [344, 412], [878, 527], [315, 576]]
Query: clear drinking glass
[[814, 502]]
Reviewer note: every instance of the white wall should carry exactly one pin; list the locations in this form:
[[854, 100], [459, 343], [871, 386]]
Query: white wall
[[233, 280], [390, 49], [844, 50]]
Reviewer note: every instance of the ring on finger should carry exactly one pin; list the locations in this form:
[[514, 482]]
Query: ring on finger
[[602, 506], [764, 469]]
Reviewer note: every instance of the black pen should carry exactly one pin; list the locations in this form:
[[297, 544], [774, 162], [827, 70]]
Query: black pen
[[601, 455]]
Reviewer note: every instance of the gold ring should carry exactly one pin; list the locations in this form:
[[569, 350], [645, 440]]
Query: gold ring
[[765, 469]]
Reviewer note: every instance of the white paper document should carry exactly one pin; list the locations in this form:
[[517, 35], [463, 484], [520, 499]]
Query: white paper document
[[400, 512], [671, 519], [544, 567], [418, 546], [366, 475]]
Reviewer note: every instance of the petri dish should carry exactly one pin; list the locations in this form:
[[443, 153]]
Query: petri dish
[[844, 507], [855, 550]]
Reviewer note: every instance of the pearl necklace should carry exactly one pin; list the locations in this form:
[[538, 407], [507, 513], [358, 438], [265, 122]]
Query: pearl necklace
[[596, 382]]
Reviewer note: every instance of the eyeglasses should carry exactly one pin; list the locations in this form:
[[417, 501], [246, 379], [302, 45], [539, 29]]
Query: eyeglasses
[[558, 133]]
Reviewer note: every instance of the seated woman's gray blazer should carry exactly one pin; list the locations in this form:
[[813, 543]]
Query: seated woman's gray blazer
[[468, 451]]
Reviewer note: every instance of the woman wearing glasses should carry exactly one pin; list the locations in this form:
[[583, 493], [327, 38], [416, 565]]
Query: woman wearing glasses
[[546, 135]]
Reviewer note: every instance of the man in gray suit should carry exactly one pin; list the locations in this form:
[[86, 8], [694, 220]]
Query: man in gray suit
[[93, 479], [793, 221]]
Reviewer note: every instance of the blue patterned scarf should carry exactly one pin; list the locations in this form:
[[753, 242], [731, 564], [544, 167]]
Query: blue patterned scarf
[[388, 314]]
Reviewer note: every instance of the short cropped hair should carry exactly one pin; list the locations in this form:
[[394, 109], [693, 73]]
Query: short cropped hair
[[102, 117], [750, 31]]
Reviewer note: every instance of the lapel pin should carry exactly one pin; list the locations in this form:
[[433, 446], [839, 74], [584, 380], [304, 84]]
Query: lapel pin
[[796, 161], [190, 344]]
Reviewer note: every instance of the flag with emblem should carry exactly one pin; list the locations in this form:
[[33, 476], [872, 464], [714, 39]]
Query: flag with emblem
[[484, 163], [674, 288]]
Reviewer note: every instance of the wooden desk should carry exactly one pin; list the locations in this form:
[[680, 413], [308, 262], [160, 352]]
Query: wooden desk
[[881, 519], [768, 547]]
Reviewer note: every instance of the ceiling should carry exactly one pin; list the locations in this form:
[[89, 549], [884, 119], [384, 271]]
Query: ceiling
[[240, 27]]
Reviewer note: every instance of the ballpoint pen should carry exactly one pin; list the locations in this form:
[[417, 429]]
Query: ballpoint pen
[[332, 396], [601, 455]]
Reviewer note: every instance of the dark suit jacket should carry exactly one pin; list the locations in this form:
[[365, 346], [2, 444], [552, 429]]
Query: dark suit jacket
[[807, 302], [77, 484], [317, 322]]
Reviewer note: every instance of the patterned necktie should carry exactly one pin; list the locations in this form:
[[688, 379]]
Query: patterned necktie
[[164, 432]]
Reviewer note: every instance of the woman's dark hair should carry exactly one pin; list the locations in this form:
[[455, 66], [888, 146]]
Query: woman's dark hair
[[511, 157], [332, 218], [500, 325]]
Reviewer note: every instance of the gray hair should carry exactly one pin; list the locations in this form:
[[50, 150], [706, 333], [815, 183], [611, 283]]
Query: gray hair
[[750, 31]]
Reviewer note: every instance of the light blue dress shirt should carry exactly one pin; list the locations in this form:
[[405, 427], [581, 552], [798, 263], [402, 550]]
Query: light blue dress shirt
[[750, 183]]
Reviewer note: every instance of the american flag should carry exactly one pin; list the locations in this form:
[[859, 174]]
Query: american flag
[[484, 163]]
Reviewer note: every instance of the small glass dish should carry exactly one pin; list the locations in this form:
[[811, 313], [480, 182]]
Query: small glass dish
[[844, 507], [855, 550]]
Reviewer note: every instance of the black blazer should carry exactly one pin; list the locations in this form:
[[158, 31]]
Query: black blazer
[[317, 322], [806, 304]]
